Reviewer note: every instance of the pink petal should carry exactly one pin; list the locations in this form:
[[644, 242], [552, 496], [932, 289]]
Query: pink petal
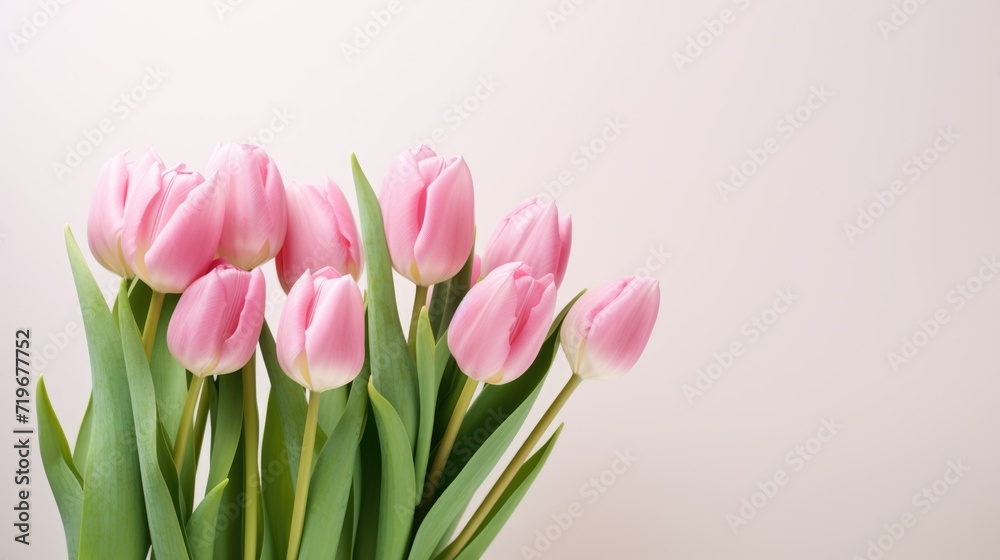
[[448, 230], [194, 335], [479, 333], [291, 338], [539, 301], [247, 296], [335, 340]]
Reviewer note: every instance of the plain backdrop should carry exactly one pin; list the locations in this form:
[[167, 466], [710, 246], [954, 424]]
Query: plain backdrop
[[631, 115]]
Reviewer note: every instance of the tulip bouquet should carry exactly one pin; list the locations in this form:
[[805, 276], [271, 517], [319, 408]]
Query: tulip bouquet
[[374, 442]]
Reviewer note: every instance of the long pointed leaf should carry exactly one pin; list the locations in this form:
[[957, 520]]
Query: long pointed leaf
[[164, 523], [201, 526], [65, 481], [114, 516], [398, 487], [392, 366], [427, 381], [509, 500], [82, 446], [276, 480]]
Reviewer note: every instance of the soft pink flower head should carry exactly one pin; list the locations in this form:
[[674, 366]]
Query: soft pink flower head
[[429, 212], [216, 324], [607, 329], [107, 209], [173, 221], [321, 232], [321, 334], [501, 324], [533, 233], [254, 227]]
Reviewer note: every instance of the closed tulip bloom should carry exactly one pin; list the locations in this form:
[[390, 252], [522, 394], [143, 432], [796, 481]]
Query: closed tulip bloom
[[173, 222], [428, 208], [216, 324], [534, 234], [501, 324], [254, 227], [321, 232], [607, 329], [321, 334], [107, 209]]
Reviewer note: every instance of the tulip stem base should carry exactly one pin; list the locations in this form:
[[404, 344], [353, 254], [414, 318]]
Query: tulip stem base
[[419, 301], [305, 472], [448, 439], [152, 321], [508, 474], [251, 476], [180, 443]]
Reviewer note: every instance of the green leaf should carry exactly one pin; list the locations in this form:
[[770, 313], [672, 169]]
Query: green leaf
[[229, 530], [392, 366], [227, 425], [114, 517], [398, 491], [201, 526], [65, 481], [368, 471], [169, 377], [331, 407], [82, 447], [456, 288], [330, 484], [164, 523], [427, 381], [442, 354], [509, 500], [276, 480], [452, 502]]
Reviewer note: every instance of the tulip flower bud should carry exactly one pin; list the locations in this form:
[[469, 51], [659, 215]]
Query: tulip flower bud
[[534, 234], [429, 212], [501, 324], [173, 222], [107, 209], [321, 334], [216, 324], [607, 329], [254, 226], [321, 232]]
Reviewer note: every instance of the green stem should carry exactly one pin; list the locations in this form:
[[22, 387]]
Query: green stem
[[419, 301], [152, 320], [180, 444], [200, 420], [252, 477], [448, 439], [508, 474], [305, 471]]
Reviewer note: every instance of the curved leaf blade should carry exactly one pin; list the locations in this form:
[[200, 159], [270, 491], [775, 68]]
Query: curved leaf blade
[[398, 492], [201, 526], [114, 516], [427, 382], [65, 481]]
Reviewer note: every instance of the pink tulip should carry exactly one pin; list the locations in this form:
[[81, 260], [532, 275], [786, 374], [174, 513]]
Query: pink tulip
[[254, 227], [607, 329], [216, 323], [321, 334], [501, 324], [107, 209], [429, 213], [534, 234], [321, 232], [173, 222]]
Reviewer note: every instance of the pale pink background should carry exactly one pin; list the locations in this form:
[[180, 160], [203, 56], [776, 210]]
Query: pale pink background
[[653, 188]]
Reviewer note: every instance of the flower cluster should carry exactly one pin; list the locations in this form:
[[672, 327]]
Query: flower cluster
[[491, 320]]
